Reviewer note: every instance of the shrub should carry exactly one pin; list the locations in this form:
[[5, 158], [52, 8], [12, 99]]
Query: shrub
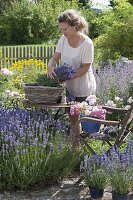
[[27, 71], [113, 80], [95, 174], [32, 22], [119, 165], [116, 39], [31, 152]]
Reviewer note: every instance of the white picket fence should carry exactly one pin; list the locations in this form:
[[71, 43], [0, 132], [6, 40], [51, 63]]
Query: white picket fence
[[11, 54]]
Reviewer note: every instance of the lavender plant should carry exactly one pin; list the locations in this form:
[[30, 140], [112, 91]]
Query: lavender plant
[[95, 174], [28, 151], [113, 80], [119, 165]]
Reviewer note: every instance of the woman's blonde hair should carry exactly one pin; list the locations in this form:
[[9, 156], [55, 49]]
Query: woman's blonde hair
[[74, 19]]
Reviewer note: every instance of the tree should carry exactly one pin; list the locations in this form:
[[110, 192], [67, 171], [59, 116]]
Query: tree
[[117, 38], [95, 26], [113, 3], [3, 3], [84, 2], [131, 2], [28, 22]]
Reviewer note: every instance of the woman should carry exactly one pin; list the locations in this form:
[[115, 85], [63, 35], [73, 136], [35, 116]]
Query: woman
[[76, 49]]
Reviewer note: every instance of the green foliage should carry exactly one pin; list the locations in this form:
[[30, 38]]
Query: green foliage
[[117, 39], [85, 3], [121, 180], [27, 71], [130, 91], [48, 165], [9, 95], [94, 172], [92, 17], [6, 81], [17, 18], [3, 3], [28, 22], [112, 3], [23, 71], [97, 179], [131, 2], [43, 80], [11, 99]]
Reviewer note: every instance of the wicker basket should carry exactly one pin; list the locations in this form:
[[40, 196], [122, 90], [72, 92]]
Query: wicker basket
[[43, 94]]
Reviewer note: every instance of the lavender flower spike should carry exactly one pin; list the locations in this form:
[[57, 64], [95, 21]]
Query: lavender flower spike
[[64, 72]]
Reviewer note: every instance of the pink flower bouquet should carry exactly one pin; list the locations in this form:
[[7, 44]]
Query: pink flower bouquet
[[88, 108]]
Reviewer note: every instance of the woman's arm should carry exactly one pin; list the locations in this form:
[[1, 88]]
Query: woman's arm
[[82, 70], [52, 64]]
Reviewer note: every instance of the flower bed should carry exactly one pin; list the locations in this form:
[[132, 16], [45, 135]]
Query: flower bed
[[30, 150]]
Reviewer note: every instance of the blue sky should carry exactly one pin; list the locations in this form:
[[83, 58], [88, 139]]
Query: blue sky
[[99, 2]]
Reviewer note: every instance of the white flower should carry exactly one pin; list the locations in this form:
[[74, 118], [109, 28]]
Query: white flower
[[87, 112], [111, 104], [91, 99], [127, 107], [95, 108], [118, 99], [8, 92], [82, 105], [6, 71], [14, 93], [130, 100]]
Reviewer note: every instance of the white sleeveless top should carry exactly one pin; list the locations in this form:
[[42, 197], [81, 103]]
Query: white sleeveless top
[[84, 85]]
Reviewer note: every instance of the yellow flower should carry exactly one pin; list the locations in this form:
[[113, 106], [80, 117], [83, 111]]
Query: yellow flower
[[30, 64]]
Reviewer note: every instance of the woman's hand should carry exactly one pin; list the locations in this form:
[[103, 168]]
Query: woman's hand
[[50, 72]]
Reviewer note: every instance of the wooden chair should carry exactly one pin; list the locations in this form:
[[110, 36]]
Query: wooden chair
[[123, 127]]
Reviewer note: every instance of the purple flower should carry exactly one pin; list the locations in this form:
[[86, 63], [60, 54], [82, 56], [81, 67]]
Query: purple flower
[[64, 72], [114, 80]]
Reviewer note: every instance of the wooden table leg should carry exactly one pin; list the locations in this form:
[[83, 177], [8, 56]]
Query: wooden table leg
[[75, 127]]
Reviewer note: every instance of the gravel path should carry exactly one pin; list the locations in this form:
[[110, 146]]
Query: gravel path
[[66, 190]]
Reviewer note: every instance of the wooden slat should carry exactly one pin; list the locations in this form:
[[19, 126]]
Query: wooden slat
[[99, 121], [10, 54]]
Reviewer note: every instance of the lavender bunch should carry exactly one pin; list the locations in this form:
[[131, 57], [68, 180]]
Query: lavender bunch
[[95, 173], [64, 72]]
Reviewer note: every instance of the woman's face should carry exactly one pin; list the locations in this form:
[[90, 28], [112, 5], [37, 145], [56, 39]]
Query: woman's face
[[67, 30]]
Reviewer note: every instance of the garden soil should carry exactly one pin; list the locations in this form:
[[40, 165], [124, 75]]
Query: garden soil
[[68, 189]]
